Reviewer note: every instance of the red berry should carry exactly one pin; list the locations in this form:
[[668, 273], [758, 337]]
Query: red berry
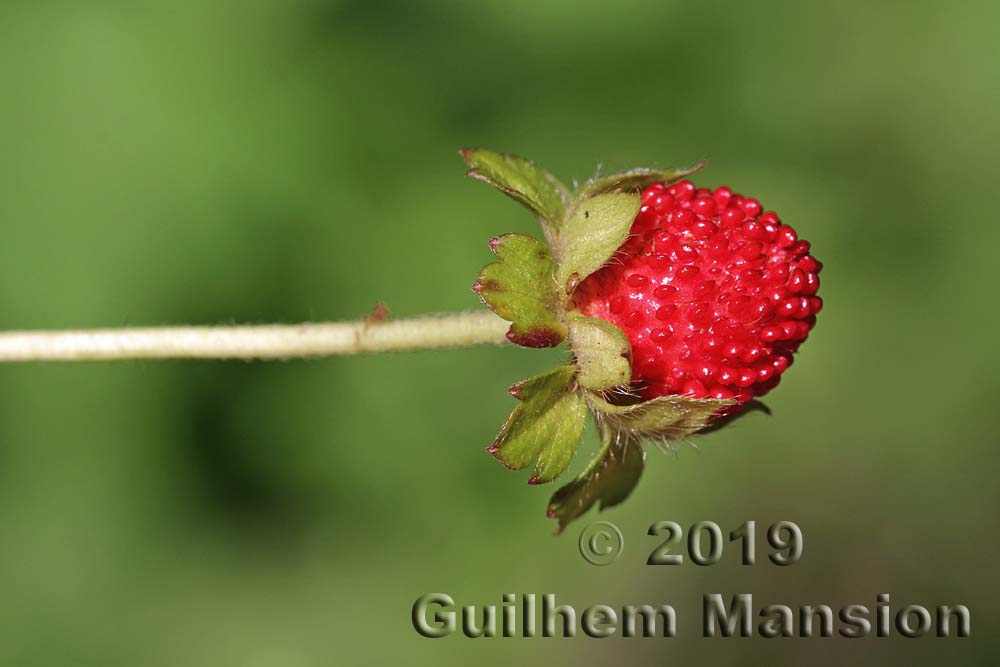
[[714, 295]]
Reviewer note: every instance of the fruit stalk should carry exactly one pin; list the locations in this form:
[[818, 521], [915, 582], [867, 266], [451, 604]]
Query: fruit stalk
[[270, 341]]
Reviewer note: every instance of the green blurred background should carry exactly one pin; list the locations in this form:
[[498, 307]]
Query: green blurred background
[[289, 160]]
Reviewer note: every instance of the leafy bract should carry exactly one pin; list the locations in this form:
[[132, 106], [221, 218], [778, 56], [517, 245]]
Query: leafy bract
[[592, 233], [545, 427], [520, 289], [616, 469], [609, 479], [522, 180]]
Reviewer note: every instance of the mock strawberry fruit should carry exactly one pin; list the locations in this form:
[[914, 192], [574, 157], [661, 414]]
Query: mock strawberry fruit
[[714, 295], [692, 299]]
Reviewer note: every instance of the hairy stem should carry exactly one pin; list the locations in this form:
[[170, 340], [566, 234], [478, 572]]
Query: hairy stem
[[271, 341]]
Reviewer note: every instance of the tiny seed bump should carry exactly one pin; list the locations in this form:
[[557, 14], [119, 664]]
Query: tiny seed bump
[[637, 280]]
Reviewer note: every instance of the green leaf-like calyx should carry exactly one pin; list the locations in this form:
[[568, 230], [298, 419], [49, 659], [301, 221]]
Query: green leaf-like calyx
[[615, 470], [522, 180], [545, 426], [602, 352], [609, 479], [634, 180], [519, 289], [595, 228], [667, 418]]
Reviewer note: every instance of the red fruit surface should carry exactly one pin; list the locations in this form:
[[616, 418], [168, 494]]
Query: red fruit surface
[[714, 294]]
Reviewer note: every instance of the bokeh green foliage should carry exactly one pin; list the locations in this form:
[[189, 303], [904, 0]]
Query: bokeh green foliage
[[285, 160]]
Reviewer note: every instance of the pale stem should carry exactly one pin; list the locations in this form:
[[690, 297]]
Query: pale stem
[[270, 341]]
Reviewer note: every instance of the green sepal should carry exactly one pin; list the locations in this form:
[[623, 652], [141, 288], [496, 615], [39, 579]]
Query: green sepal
[[602, 352], [522, 180], [593, 231], [519, 288], [615, 471], [545, 427], [634, 180], [609, 479], [664, 419]]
